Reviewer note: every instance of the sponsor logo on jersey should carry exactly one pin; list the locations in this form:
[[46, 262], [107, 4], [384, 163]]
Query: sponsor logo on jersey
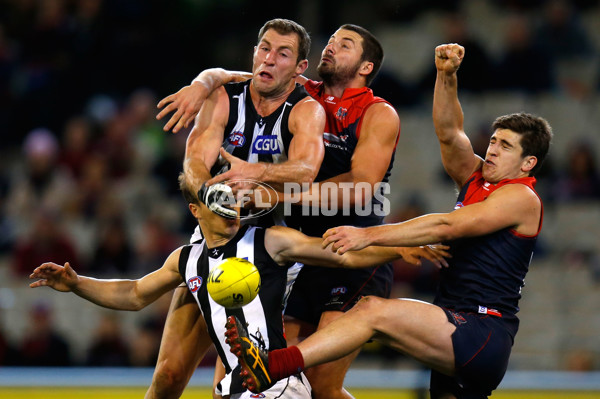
[[338, 291], [491, 312], [330, 99], [194, 284], [236, 139], [267, 144]]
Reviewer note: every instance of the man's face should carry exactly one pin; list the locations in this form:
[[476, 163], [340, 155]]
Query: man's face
[[503, 159], [275, 63], [217, 224], [341, 58]]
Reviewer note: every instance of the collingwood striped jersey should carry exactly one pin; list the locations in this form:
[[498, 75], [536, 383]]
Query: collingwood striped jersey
[[263, 314], [252, 137]]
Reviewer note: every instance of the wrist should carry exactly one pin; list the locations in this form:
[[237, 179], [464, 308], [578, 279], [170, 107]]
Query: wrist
[[200, 81], [263, 168]]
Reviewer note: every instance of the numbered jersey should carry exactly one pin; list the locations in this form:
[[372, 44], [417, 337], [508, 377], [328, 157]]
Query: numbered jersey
[[263, 314]]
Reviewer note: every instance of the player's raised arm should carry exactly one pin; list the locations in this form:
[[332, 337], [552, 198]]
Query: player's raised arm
[[458, 156], [206, 137], [288, 245], [188, 101], [113, 294]]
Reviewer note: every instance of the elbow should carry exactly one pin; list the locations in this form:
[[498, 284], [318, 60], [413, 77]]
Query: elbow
[[446, 233]]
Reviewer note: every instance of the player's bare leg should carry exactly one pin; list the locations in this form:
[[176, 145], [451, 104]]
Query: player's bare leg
[[327, 379], [184, 342], [418, 329], [296, 330]]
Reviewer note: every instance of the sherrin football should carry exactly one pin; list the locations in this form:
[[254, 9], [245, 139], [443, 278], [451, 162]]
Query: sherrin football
[[234, 283]]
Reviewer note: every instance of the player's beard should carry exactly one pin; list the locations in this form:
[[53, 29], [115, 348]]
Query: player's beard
[[332, 75]]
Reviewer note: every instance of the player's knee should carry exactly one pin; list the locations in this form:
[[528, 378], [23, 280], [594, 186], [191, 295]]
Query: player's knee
[[370, 307], [168, 382], [322, 388], [372, 311]]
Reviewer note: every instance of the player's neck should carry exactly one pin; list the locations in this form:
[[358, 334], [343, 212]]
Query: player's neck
[[337, 88], [215, 238], [265, 105]]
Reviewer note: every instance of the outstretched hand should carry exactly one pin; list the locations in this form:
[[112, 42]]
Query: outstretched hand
[[61, 278], [186, 102], [448, 57], [345, 238], [434, 253]]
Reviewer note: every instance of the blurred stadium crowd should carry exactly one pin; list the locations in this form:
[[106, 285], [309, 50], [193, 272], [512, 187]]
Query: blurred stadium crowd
[[88, 176]]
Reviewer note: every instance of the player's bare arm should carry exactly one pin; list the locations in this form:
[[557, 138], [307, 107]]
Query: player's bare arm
[[458, 156], [378, 135], [113, 294], [512, 206], [206, 137], [287, 245], [305, 153], [188, 101]]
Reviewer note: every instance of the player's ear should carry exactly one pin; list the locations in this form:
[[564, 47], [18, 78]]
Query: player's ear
[[366, 67], [301, 67], [528, 163], [195, 209]]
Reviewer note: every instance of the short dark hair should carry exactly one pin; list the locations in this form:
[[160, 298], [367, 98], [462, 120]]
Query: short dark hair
[[286, 27], [372, 50], [188, 193], [536, 134]]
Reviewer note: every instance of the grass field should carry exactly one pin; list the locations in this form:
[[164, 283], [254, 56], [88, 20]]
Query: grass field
[[201, 393]]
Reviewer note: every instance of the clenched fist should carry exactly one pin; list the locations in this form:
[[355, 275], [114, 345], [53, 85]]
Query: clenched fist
[[448, 57]]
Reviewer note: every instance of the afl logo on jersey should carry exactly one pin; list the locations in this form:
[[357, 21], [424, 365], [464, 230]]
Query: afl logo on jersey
[[267, 144], [338, 291], [236, 139], [194, 284], [258, 395], [341, 113], [458, 205]]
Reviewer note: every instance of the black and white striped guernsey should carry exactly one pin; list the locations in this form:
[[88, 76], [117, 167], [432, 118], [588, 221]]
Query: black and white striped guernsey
[[252, 137], [263, 314]]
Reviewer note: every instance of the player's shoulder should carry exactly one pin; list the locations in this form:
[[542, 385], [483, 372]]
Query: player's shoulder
[[381, 109], [307, 107], [172, 260], [518, 193], [382, 118]]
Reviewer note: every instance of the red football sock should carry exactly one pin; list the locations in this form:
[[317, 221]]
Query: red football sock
[[285, 362]]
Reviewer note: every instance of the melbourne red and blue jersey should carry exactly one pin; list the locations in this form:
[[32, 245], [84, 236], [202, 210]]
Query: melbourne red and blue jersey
[[487, 272], [342, 130]]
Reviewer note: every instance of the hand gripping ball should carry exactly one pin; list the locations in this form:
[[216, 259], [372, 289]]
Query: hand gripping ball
[[234, 283]]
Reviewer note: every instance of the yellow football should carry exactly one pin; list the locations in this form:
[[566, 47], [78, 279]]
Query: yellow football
[[234, 283]]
